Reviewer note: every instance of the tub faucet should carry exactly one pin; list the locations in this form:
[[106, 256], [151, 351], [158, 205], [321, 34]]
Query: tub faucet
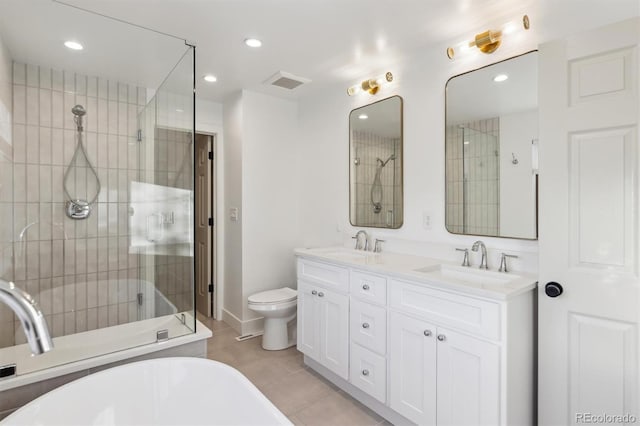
[[483, 249], [29, 314]]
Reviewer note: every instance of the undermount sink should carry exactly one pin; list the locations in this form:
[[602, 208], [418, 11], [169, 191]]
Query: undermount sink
[[467, 274]]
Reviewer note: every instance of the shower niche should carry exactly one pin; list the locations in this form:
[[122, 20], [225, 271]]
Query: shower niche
[[375, 164]]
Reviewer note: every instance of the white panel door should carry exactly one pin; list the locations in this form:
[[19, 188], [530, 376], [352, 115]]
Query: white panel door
[[412, 368], [308, 321], [468, 380], [334, 331], [588, 221]]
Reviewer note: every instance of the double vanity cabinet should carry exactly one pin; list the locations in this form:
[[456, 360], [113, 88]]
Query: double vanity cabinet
[[419, 341]]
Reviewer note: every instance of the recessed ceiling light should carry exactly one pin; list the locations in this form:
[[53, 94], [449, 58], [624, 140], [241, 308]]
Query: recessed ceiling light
[[500, 77], [363, 116], [210, 78], [73, 45], [252, 42]]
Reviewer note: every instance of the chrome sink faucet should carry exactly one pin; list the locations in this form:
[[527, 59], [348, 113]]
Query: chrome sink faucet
[[359, 245], [483, 249], [29, 314]]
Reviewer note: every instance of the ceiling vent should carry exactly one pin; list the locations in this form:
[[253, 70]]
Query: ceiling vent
[[286, 80]]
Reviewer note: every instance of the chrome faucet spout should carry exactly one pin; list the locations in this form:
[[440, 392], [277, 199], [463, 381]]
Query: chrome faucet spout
[[483, 249], [29, 314]]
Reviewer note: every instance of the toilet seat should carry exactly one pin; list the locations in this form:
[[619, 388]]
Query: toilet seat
[[270, 297]]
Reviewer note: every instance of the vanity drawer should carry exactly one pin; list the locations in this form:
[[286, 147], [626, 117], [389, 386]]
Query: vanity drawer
[[480, 317], [369, 287], [368, 324], [368, 372], [330, 276]]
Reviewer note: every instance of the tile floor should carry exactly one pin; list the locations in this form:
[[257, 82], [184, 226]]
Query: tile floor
[[300, 393]]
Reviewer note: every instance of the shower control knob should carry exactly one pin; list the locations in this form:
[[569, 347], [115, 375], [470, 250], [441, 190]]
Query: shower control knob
[[365, 372], [365, 325], [314, 292], [321, 294], [365, 287], [553, 289]]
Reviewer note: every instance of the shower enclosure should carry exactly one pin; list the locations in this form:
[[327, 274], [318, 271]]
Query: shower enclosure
[[96, 180]]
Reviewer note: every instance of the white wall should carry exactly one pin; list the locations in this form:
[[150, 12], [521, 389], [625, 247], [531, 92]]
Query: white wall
[[324, 148], [260, 180], [517, 205], [6, 169], [232, 159], [269, 185]]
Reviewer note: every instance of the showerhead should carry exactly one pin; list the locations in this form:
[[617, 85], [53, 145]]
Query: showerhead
[[78, 110]]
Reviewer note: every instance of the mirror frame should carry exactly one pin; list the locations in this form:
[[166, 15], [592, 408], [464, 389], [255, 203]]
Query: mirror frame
[[537, 207], [401, 160]]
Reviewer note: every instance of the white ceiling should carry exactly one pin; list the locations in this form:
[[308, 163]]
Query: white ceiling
[[328, 41]]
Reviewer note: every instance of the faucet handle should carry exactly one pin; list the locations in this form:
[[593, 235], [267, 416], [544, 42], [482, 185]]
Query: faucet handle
[[355, 237], [503, 262], [465, 261], [377, 247]]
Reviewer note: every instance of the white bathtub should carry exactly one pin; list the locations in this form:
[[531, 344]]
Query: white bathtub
[[167, 391]]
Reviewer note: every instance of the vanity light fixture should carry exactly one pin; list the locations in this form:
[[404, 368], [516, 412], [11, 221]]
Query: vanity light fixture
[[370, 85], [73, 45], [500, 78], [210, 78], [489, 41]]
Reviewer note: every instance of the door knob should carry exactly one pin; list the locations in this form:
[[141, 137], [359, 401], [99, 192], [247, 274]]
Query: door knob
[[365, 286], [314, 292], [365, 372], [442, 337], [365, 325], [427, 333], [321, 294], [553, 289]]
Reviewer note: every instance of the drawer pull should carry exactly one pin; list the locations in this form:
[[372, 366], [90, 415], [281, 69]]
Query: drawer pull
[[314, 292], [365, 325], [321, 294], [427, 333], [365, 372], [442, 337], [365, 287]]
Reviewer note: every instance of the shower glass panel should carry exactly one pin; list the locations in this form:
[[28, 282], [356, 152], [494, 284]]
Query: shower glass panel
[[111, 280], [162, 201]]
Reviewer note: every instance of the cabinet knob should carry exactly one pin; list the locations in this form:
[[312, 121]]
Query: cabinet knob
[[365, 287], [321, 294], [314, 292], [365, 325], [427, 333], [442, 337], [365, 372]]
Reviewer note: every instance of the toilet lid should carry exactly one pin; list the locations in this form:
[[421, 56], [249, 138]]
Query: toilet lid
[[284, 294]]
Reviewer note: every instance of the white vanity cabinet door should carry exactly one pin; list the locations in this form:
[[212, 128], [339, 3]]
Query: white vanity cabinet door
[[334, 331], [412, 365], [308, 321], [468, 380]]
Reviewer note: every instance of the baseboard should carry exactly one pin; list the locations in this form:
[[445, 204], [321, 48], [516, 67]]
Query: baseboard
[[255, 325]]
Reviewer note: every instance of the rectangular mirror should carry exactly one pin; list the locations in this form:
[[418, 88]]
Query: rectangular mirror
[[375, 158], [491, 150]]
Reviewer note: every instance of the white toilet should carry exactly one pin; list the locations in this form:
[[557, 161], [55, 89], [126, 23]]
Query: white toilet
[[278, 307]]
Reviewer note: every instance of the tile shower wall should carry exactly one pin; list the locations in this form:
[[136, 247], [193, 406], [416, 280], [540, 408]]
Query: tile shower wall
[[368, 147], [79, 271], [473, 177]]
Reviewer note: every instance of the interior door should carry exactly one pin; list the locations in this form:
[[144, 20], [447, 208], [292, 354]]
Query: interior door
[[588, 292], [203, 233]]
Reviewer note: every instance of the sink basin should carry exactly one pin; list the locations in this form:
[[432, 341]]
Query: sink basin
[[347, 254], [465, 274]]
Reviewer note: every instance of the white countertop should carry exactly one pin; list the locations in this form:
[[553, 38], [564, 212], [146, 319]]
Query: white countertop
[[470, 280]]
